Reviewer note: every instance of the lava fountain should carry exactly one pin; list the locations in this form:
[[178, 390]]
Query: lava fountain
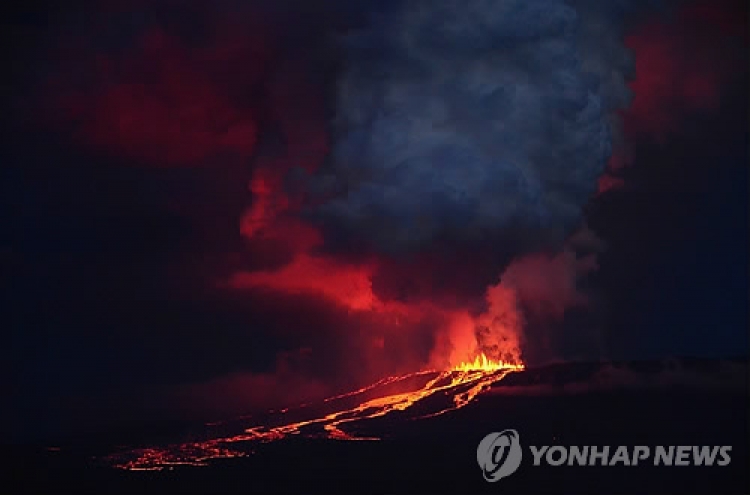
[[341, 417]]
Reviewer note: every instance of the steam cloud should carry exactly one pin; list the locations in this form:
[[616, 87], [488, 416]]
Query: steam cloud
[[475, 120]]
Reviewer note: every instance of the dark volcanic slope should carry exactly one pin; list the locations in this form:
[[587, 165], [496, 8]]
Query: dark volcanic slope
[[683, 402]]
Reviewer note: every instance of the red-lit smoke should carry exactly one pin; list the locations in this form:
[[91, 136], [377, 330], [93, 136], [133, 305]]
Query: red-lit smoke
[[167, 104], [164, 101], [683, 62]]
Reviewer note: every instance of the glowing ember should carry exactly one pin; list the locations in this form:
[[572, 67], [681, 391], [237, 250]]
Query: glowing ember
[[188, 454], [461, 384]]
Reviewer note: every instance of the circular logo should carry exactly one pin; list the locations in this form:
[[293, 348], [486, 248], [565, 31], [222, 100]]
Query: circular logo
[[499, 455]]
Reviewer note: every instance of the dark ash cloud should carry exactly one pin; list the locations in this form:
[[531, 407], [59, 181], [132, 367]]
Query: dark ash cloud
[[473, 121]]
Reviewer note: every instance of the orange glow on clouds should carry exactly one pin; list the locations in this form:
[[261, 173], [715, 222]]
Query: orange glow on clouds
[[348, 285]]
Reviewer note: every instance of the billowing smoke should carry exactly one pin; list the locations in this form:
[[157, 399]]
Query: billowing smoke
[[434, 195], [475, 120]]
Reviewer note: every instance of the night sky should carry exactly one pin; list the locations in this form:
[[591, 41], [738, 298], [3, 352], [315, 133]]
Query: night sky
[[214, 207]]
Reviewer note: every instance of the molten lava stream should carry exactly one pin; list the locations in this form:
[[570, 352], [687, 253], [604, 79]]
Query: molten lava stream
[[462, 384]]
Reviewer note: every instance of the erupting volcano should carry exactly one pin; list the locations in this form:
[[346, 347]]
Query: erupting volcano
[[418, 395], [364, 230]]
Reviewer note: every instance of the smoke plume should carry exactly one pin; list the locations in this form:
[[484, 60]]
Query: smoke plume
[[474, 121], [377, 193]]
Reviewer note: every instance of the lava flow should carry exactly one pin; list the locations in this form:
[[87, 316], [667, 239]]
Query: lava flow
[[420, 395]]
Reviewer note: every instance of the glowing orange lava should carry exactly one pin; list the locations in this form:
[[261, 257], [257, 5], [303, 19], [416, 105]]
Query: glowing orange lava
[[482, 363], [461, 384]]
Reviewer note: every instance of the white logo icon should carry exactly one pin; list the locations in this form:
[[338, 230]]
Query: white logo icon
[[499, 455]]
